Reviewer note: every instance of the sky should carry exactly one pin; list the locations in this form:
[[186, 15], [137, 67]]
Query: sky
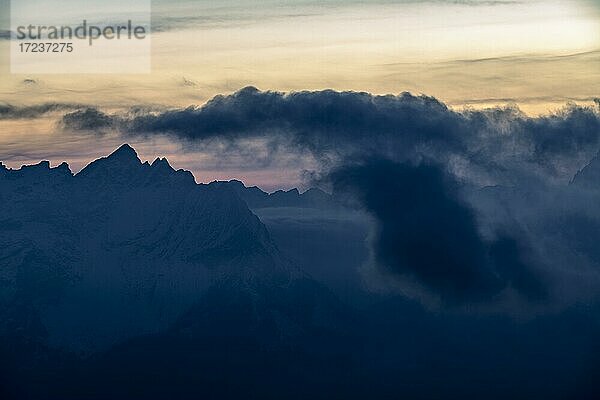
[[464, 134], [538, 55]]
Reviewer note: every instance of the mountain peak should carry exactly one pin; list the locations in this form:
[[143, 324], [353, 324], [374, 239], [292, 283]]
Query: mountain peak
[[42, 165], [121, 163], [125, 151], [162, 163]]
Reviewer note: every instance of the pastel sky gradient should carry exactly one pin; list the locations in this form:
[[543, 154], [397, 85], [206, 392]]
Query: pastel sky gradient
[[476, 53]]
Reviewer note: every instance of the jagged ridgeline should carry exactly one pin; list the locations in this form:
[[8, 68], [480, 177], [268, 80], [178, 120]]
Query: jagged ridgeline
[[124, 249], [130, 280]]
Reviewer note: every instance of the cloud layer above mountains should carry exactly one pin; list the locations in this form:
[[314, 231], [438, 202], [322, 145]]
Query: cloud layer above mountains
[[338, 125], [420, 170]]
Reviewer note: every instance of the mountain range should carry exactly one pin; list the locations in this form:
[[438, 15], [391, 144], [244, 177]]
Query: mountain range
[[130, 280], [125, 248], [257, 198]]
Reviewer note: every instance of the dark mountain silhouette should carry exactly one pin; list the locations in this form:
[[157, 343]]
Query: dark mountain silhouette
[[122, 248], [129, 280], [257, 198], [125, 249]]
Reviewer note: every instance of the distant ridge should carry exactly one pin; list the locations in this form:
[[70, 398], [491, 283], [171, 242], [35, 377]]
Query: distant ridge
[[123, 166], [257, 198]]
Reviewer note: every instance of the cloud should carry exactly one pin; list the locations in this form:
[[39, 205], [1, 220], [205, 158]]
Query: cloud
[[569, 131], [87, 119], [236, 14], [510, 260], [555, 144], [425, 233], [315, 118], [323, 122], [9, 111], [495, 146]]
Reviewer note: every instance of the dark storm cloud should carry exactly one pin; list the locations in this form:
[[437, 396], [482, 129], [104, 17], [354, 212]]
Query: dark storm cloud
[[343, 124], [567, 132], [314, 119], [510, 260], [8, 111], [425, 232], [87, 119], [327, 125], [422, 229]]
